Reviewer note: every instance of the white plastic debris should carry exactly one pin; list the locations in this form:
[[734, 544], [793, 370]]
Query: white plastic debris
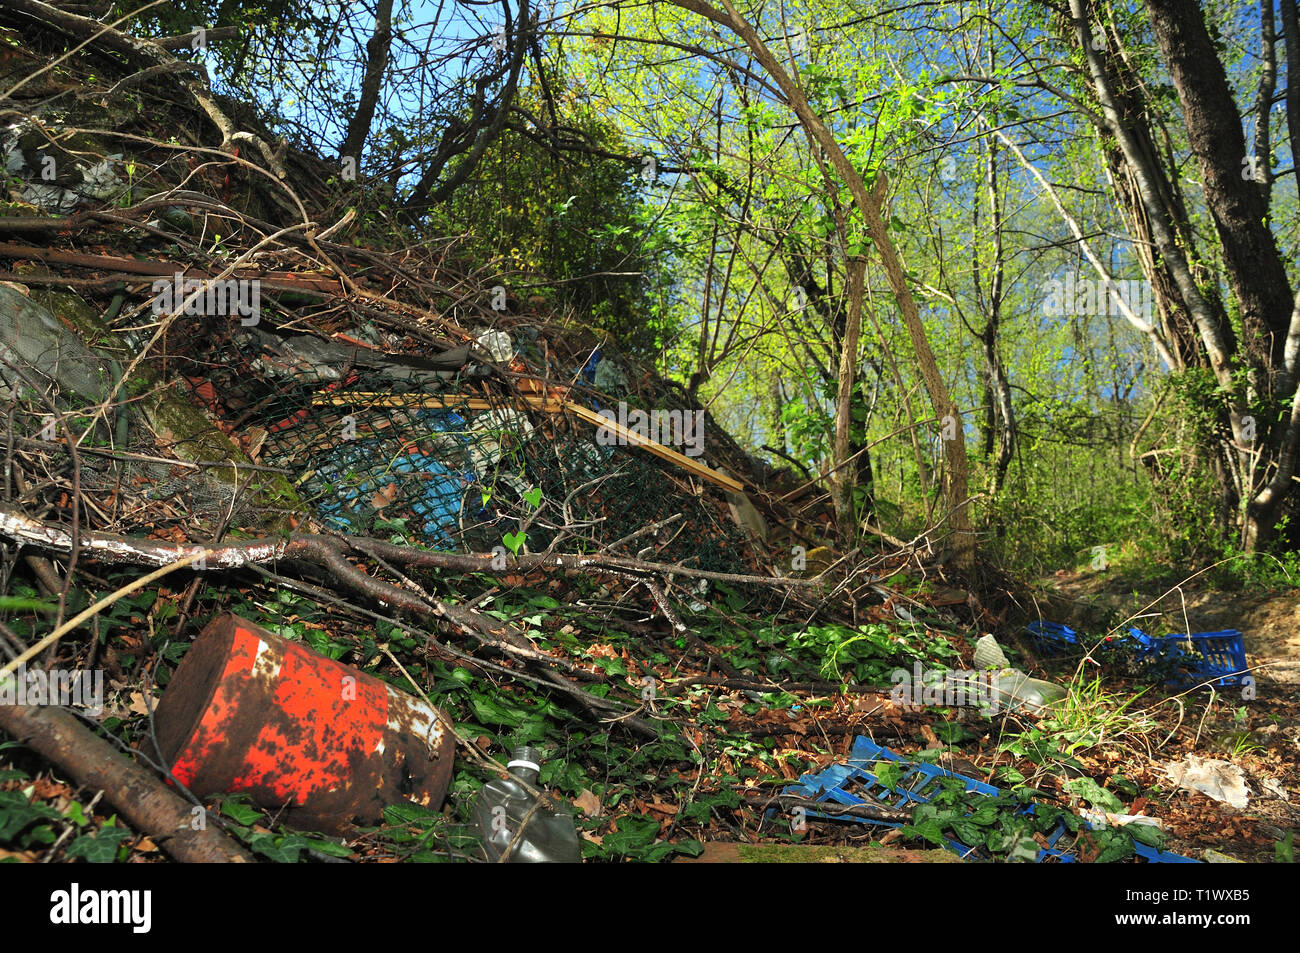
[[1107, 819], [1213, 856], [498, 344], [48, 198], [988, 654], [1015, 690], [609, 377], [1274, 787], [100, 181], [1216, 779]]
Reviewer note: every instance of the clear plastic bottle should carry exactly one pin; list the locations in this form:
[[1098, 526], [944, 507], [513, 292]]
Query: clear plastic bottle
[[548, 837]]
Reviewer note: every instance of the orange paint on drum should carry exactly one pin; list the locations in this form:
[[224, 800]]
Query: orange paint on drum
[[249, 712]]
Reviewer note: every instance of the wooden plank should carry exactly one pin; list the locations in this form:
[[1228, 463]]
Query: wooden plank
[[546, 405], [658, 449]]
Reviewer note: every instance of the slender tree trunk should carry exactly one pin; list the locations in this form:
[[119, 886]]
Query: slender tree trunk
[[870, 207], [845, 472], [1262, 167], [377, 48]]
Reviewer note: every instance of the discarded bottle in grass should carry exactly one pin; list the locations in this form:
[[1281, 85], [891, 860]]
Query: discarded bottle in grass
[[1017, 690], [549, 836], [1014, 689]]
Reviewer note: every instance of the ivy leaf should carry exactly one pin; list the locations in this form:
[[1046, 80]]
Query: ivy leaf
[[99, 847], [1095, 794], [240, 813]]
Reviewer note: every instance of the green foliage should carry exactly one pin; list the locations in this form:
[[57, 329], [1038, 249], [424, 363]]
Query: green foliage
[[568, 225], [1001, 828], [103, 846], [1284, 849]]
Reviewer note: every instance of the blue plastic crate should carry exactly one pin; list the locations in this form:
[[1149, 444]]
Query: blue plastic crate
[[854, 783], [1052, 637], [1218, 658]]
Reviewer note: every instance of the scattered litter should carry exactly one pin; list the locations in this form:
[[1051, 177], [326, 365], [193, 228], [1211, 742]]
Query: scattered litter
[[250, 712], [548, 836], [988, 654], [1119, 820], [99, 182], [1216, 779], [1217, 658], [745, 514], [32, 337], [1015, 689], [1274, 787], [1213, 856], [855, 783], [609, 377], [497, 344]]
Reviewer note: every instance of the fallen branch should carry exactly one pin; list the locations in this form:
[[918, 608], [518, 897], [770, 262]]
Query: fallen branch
[[145, 802], [875, 812], [328, 551], [323, 551]]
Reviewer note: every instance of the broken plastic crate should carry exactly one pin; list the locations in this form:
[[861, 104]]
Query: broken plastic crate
[[1214, 657], [854, 783], [1217, 658]]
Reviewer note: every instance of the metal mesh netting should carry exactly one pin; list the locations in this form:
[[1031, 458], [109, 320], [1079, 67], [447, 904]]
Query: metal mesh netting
[[421, 447]]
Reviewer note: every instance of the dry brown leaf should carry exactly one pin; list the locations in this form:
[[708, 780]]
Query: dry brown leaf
[[588, 803]]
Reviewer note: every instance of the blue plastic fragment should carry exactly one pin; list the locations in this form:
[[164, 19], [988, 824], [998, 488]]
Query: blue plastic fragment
[[588, 371], [1216, 657], [853, 783]]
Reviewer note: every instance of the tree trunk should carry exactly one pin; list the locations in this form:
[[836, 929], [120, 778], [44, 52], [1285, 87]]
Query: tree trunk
[[376, 63], [870, 207], [846, 472], [1255, 269], [1250, 254]]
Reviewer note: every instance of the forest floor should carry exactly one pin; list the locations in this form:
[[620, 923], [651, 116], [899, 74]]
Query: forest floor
[[755, 701], [1260, 735], [1269, 619]]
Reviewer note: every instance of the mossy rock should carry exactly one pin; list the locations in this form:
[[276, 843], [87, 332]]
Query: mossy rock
[[178, 422]]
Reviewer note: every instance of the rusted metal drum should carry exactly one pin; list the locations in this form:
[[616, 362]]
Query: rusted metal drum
[[250, 712]]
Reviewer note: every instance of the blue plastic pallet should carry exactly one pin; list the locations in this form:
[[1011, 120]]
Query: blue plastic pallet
[[1217, 658], [853, 782]]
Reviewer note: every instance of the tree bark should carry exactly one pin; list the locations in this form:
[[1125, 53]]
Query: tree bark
[[870, 207], [1255, 268], [845, 473], [377, 48]]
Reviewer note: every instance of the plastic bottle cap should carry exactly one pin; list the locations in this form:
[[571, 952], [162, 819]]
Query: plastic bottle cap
[[522, 764]]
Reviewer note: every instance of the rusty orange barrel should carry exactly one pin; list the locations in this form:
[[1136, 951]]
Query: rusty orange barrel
[[250, 712]]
